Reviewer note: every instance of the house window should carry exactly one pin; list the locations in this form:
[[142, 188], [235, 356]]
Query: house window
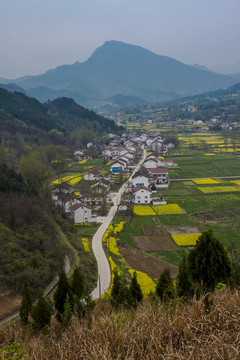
[[138, 197], [145, 197]]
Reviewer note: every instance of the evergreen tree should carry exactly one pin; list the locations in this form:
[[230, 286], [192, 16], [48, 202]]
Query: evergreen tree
[[60, 295], [135, 294], [118, 292], [235, 258], [183, 283], [42, 312], [27, 302], [165, 288], [209, 262], [78, 283], [67, 314]]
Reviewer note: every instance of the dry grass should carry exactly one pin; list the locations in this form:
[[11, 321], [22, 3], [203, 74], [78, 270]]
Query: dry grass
[[152, 332]]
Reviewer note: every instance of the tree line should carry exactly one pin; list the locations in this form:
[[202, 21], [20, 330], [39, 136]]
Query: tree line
[[207, 264]]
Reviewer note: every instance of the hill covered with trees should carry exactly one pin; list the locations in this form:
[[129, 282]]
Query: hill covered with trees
[[25, 121]]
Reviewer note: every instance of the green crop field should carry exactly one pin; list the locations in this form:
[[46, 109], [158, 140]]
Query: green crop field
[[218, 209]]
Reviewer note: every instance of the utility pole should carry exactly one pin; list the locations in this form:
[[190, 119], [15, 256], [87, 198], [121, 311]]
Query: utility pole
[[99, 281]]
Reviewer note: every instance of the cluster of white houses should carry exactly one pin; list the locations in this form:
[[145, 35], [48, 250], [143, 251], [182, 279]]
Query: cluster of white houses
[[152, 176], [64, 196]]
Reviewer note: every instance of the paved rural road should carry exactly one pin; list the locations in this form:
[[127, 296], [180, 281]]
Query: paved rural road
[[104, 272]]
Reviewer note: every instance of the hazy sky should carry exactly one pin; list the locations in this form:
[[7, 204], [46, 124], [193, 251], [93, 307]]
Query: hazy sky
[[36, 35]]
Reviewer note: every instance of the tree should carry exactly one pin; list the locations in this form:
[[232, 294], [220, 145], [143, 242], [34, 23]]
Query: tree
[[42, 312], [164, 288], [183, 283], [35, 173], [119, 290], [235, 258], [209, 262], [68, 313], [135, 294], [60, 296], [27, 302], [78, 283]]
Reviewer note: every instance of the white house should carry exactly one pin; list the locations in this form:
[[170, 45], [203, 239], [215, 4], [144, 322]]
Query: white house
[[159, 176], [117, 166], [149, 142], [140, 178], [64, 200], [150, 163], [157, 145], [141, 194], [62, 188], [89, 145], [81, 213], [167, 163], [92, 175]]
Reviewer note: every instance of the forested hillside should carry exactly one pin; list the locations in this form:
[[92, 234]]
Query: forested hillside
[[25, 121], [35, 141], [29, 234]]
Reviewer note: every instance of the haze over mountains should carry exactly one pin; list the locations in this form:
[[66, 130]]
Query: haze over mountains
[[117, 69]]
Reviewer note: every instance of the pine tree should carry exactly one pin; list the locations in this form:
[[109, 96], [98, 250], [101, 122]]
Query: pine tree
[[67, 314], [27, 302], [118, 292], [78, 283], [42, 312], [60, 295], [235, 258], [184, 285], [209, 262], [135, 294], [165, 288]]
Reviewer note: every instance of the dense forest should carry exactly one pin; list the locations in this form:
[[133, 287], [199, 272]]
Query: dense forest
[[29, 234]]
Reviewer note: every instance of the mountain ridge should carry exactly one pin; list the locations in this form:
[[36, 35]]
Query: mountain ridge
[[119, 68]]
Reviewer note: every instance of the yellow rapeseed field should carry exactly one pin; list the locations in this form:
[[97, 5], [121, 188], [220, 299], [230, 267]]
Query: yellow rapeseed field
[[206, 181], [146, 283], [236, 182], [169, 209], [143, 210], [186, 239], [85, 243], [219, 189], [112, 246]]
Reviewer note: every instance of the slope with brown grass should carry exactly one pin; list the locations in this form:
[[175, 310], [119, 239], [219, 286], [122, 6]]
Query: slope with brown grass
[[151, 332]]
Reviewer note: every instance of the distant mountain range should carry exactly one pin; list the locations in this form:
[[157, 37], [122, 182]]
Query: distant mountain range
[[119, 69]]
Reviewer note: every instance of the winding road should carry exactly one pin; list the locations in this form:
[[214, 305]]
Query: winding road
[[104, 272]]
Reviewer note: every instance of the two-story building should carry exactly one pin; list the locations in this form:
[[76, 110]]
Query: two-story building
[[141, 194], [81, 213]]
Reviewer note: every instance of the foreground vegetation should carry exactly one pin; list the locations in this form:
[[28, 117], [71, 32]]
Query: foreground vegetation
[[152, 331]]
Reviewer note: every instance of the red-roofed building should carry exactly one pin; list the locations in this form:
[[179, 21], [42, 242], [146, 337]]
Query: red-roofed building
[[141, 194], [159, 176]]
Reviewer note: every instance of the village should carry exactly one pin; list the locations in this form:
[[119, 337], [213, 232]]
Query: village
[[93, 194]]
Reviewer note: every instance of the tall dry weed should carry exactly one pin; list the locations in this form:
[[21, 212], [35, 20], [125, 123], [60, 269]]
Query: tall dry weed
[[151, 332]]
